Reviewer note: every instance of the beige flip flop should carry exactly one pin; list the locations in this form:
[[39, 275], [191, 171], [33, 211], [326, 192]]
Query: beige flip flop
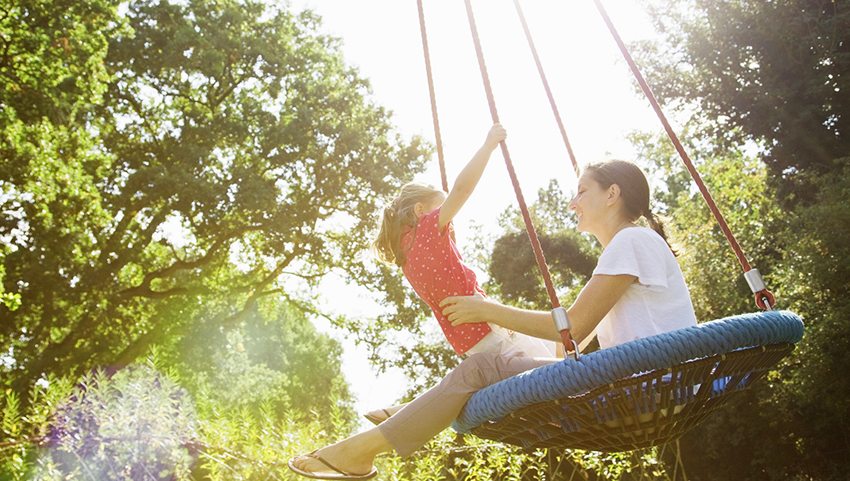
[[376, 420], [340, 474]]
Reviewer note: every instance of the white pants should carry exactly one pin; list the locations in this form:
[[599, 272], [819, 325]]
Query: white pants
[[505, 342]]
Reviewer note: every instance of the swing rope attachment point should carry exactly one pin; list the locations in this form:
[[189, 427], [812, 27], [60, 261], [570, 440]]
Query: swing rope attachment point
[[562, 324]]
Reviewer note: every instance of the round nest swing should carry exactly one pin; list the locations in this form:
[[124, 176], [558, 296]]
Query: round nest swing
[[643, 393]]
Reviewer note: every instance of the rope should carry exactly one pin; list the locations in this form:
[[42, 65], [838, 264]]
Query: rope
[[433, 96], [764, 298], [546, 87], [529, 226]]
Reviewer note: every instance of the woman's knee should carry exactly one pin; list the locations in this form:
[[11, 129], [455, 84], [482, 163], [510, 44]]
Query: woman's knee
[[477, 371]]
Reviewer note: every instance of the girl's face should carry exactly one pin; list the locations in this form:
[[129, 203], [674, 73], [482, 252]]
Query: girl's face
[[589, 204]]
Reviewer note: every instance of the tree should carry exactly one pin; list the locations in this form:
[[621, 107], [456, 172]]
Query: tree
[[777, 73], [220, 148], [738, 185], [801, 406], [571, 256], [274, 360]]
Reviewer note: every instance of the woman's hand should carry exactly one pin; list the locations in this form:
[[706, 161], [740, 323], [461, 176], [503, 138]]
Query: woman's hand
[[467, 309]]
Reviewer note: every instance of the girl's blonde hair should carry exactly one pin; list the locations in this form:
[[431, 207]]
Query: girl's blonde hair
[[399, 216]]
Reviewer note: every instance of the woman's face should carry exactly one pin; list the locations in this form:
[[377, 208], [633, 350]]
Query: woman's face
[[589, 203]]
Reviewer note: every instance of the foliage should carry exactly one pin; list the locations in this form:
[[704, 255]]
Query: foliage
[[771, 75], [214, 149], [12, 300], [775, 73], [136, 426], [570, 255], [140, 424], [802, 408], [52, 72], [814, 274], [273, 359], [455, 458], [52, 65], [512, 256], [803, 254]]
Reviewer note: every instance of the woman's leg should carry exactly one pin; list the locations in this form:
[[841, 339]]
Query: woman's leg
[[425, 417], [380, 415], [530, 346]]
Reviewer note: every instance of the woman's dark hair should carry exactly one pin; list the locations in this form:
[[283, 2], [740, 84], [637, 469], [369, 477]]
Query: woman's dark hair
[[634, 189]]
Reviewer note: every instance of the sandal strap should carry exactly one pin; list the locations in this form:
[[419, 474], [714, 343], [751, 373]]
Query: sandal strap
[[323, 461]]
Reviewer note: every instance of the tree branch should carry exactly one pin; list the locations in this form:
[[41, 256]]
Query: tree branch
[[180, 265]]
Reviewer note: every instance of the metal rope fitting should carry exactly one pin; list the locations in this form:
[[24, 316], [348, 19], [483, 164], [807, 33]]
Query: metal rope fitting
[[562, 324], [755, 281], [562, 321]]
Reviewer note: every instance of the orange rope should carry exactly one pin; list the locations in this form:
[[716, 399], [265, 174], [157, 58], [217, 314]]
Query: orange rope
[[433, 96], [764, 298], [546, 87], [526, 216]]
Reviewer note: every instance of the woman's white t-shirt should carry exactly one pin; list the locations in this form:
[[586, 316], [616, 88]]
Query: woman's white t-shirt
[[657, 302]]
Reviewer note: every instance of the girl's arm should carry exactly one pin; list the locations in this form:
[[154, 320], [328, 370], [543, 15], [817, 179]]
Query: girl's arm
[[469, 176], [594, 301]]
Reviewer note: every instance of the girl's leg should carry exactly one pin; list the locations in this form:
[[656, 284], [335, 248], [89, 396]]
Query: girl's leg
[[498, 341], [419, 421]]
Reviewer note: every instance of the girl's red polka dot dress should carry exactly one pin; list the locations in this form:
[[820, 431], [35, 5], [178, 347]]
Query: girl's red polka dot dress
[[436, 270]]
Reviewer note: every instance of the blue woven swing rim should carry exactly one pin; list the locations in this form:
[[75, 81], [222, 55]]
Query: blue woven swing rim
[[571, 378]]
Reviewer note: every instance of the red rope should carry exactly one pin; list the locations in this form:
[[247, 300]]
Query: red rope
[[762, 297], [433, 96], [546, 86], [529, 226]]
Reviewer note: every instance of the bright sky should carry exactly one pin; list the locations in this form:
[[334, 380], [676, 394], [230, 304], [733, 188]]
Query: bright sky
[[591, 84]]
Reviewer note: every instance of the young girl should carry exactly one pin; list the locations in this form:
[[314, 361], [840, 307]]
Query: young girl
[[417, 235]]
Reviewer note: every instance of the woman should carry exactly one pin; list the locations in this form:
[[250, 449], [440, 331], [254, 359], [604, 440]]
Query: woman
[[636, 290]]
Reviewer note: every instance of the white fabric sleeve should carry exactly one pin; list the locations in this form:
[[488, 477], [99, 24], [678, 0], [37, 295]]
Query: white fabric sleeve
[[635, 253]]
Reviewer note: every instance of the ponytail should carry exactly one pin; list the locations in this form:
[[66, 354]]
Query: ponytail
[[386, 244], [658, 226], [398, 218]]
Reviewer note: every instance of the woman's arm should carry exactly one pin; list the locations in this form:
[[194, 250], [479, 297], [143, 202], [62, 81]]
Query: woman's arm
[[594, 301], [469, 176], [477, 308]]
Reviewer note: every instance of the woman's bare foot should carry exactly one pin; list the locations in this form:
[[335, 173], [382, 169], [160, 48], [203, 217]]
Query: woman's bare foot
[[353, 456]]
